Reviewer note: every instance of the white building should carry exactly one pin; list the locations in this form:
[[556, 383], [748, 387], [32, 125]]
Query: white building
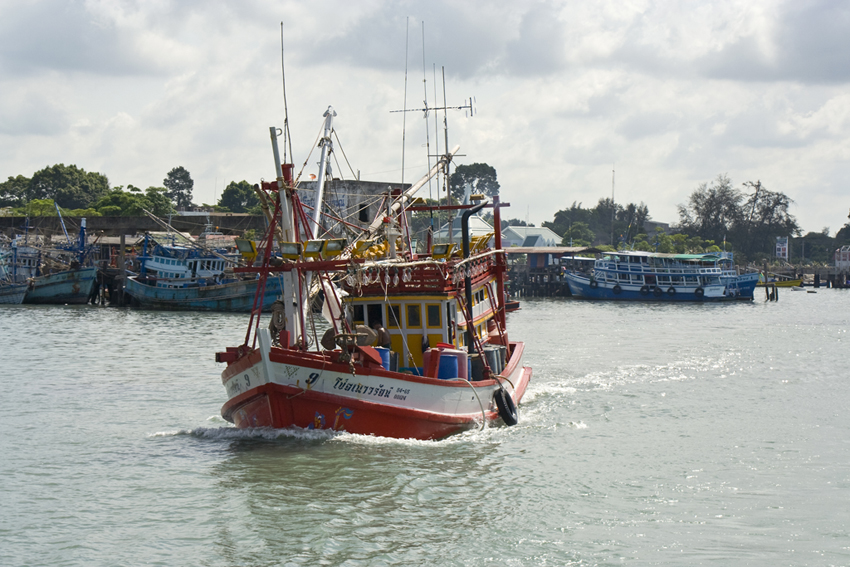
[[529, 236], [842, 258]]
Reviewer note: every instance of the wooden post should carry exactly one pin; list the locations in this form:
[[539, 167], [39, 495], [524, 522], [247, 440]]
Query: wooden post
[[122, 270]]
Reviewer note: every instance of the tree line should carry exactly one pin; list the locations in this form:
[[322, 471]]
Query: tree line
[[80, 193], [717, 215]]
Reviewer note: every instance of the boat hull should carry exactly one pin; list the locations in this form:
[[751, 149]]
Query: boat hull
[[290, 388], [744, 285], [232, 297], [12, 294], [583, 287], [783, 283], [71, 287]]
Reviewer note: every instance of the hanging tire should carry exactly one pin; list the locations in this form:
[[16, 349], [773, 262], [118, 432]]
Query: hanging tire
[[644, 290], [657, 292], [616, 289], [671, 291], [506, 407], [594, 284], [699, 292]]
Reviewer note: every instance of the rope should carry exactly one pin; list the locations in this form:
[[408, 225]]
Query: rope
[[477, 397]]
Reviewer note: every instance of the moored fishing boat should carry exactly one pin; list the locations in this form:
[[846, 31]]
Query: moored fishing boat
[[444, 362], [10, 292], [647, 276], [186, 277], [53, 275], [779, 281]]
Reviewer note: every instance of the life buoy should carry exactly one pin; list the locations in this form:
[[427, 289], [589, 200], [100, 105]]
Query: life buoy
[[657, 292], [671, 291], [594, 284], [617, 289], [506, 407], [644, 290], [699, 292]]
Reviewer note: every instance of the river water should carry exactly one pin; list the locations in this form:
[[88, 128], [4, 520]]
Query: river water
[[650, 435]]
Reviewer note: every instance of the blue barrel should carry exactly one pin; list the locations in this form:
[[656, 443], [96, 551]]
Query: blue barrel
[[385, 357], [448, 366]]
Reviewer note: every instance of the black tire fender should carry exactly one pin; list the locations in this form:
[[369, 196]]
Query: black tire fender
[[644, 290], [671, 291], [657, 292], [594, 284], [506, 406], [617, 289], [699, 292]]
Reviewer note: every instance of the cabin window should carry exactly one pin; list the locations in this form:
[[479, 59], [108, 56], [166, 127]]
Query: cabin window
[[676, 280], [358, 314], [414, 316], [434, 316], [637, 280], [375, 311], [363, 213], [394, 316], [623, 278]]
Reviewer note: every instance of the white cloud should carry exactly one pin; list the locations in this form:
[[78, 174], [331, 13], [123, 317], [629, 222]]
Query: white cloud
[[672, 92]]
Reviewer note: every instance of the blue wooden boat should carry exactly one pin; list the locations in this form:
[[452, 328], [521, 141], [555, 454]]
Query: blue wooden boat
[[647, 276], [52, 275], [188, 277], [71, 287]]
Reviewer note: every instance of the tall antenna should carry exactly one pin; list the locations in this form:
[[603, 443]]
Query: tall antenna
[[286, 137], [404, 120], [613, 206], [425, 89]]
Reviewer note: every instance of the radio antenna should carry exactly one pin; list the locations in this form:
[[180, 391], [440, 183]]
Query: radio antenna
[[287, 139]]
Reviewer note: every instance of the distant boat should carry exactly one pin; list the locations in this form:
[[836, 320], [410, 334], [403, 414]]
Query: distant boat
[[11, 293], [781, 283], [40, 269], [71, 287], [741, 286], [648, 276], [181, 277]]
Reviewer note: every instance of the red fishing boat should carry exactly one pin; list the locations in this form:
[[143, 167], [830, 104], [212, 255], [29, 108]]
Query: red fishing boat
[[415, 344]]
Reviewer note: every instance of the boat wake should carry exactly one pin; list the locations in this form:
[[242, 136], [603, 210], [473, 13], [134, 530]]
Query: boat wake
[[294, 433]]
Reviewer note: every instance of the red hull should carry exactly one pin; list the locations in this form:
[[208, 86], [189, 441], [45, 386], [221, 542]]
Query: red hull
[[280, 406]]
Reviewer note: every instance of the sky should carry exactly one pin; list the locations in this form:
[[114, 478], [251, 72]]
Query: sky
[[573, 100]]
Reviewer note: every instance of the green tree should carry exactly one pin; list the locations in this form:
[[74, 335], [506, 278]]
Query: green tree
[[132, 203], [480, 177], [69, 186], [158, 201], [814, 247], [768, 217], [713, 210], [579, 234], [13, 191], [567, 217], [179, 184], [238, 197]]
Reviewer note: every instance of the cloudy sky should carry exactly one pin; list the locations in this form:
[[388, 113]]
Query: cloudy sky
[[670, 94]]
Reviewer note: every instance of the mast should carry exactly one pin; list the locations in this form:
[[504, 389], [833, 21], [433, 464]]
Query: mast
[[324, 166], [289, 295]]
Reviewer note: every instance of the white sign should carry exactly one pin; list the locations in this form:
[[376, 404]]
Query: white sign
[[782, 247]]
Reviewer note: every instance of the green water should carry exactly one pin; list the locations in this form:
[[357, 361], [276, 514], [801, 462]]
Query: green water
[[650, 435]]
